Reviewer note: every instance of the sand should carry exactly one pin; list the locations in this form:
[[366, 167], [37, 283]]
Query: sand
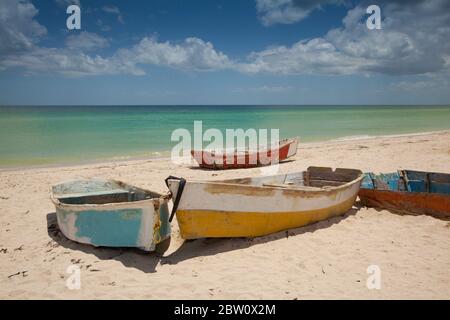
[[326, 260]]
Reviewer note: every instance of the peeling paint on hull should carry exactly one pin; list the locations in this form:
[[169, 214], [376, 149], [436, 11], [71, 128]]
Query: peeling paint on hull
[[217, 224], [408, 192], [96, 212], [246, 159], [416, 203], [249, 208]]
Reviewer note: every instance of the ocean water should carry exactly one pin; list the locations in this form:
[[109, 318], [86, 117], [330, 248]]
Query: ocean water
[[45, 135]]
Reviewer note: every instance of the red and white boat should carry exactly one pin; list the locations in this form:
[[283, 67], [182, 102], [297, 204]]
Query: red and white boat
[[234, 159]]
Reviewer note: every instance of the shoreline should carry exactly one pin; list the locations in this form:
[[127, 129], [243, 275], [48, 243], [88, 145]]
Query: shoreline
[[138, 159]]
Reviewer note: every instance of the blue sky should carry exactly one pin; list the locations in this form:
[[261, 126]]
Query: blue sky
[[224, 52]]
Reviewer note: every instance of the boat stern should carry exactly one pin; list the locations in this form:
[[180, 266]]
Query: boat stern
[[293, 148]]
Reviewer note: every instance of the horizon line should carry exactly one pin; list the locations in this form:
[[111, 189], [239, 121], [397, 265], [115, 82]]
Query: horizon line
[[222, 105]]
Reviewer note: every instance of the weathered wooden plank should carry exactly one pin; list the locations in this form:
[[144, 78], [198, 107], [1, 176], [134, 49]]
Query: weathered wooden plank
[[433, 204], [340, 174], [324, 183]]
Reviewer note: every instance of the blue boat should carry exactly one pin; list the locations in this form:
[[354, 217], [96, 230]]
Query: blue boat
[[408, 191], [111, 213]]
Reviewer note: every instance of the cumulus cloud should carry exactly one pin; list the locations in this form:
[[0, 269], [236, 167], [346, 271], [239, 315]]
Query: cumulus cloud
[[67, 62], [413, 86], [191, 54], [425, 83], [413, 41], [304, 57], [288, 11], [410, 42], [86, 41], [116, 11], [18, 29], [19, 48]]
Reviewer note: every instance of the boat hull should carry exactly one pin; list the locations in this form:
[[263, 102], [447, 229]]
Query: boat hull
[[140, 224], [210, 210], [208, 160], [437, 205], [408, 192], [196, 224]]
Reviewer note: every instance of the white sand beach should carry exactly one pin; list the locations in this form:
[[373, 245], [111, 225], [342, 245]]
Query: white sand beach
[[326, 260]]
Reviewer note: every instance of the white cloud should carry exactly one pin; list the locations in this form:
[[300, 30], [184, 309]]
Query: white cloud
[[68, 62], [116, 11], [86, 41], [18, 29], [20, 34], [111, 9], [413, 40], [266, 89], [272, 12], [191, 54], [412, 86], [423, 83], [304, 57]]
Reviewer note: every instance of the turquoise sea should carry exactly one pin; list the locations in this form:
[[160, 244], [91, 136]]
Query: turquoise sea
[[46, 135]]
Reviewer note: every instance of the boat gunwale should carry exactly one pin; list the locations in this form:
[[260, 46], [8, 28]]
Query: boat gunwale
[[412, 193], [162, 199], [377, 174], [287, 188], [281, 143]]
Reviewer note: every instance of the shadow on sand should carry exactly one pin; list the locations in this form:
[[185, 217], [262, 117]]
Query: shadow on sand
[[129, 257], [147, 262]]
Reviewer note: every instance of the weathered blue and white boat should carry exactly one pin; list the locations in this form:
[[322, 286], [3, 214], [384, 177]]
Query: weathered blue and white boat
[[111, 213], [408, 191]]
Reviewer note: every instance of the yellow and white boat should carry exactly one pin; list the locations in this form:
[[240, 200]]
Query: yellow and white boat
[[251, 207]]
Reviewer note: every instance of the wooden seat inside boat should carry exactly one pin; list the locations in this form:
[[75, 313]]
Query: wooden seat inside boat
[[317, 178], [409, 181], [313, 179], [420, 181], [325, 176]]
